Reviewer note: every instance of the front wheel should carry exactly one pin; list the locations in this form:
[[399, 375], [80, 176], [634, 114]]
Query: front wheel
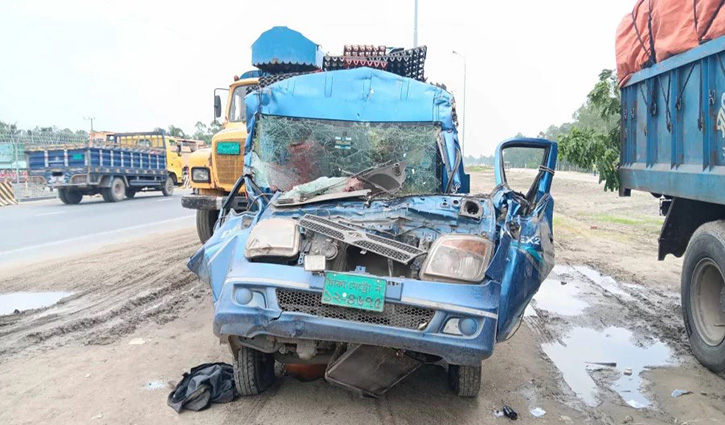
[[703, 294], [168, 188], [205, 221], [253, 371], [464, 381]]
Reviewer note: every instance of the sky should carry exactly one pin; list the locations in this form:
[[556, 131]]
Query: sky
[[136, 65]]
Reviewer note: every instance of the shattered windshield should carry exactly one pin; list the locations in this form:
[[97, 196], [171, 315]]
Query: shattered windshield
[[288, 152]]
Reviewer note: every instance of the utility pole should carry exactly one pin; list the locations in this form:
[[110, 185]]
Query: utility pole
[[91, 120], [465, 95], [415, 26]]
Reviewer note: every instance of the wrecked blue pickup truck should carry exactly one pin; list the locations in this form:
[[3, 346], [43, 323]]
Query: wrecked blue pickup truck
[[362, 249]]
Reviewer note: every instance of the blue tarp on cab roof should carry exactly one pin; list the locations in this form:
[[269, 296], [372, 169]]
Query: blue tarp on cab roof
[[282, 48]]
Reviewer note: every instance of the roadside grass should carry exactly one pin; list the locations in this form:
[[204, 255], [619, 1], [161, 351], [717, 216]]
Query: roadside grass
[[478, 168], [639, 221]]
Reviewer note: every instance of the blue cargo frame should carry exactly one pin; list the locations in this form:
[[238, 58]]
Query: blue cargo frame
[[673, 126]]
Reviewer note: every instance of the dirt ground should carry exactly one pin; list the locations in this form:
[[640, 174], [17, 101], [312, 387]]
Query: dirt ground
[[137, 319]]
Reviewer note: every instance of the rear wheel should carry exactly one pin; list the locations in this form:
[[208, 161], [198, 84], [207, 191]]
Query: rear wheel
[[130, 193], [703, 294], [253, 371], [205, 221], [115, 192], [69, 197], [464, 381], [168, 188]]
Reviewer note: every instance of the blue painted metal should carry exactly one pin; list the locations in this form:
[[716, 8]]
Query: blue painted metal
[[673, 126], [521, 232], [361, 94], [284, 46]]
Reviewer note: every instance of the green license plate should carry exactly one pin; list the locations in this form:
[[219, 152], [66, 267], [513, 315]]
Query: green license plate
[[354, 291], [227, 148]]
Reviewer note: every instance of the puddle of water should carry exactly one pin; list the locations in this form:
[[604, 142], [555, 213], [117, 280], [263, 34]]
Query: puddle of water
[[28, 300], [581, 347], [560, 299], [606, 282]]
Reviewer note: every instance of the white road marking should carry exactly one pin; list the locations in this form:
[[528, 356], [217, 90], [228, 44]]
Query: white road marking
[[50, 213], [80, 238]]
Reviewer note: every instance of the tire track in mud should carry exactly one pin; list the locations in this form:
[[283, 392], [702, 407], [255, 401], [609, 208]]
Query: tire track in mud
[[114, 291]]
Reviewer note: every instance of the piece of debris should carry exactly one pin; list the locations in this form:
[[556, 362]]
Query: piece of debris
[[509, 412], [88, 375], [607, 364], [563, 282], [137, 341], [636, 404], [594, 227], [677, 393], [538, 412], [98, 416], [16, 311], [628, 371], [203, 385], [628, 419], [566, 419]]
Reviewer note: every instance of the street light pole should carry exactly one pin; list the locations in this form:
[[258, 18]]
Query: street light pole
[[465, 95], [415, 26], [91, 120]]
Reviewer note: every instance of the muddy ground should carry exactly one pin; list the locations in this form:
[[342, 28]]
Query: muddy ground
[[136, 319]]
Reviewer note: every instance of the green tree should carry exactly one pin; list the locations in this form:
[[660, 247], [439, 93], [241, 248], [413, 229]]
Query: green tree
[[174, 131], [593, 141]]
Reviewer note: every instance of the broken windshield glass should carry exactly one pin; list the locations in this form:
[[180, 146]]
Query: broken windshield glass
[[291, 151]]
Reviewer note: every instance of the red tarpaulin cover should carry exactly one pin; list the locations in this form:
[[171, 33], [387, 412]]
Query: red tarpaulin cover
[[667, 28]]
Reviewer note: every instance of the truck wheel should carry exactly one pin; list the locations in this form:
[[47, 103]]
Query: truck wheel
[[130, 193], [116, 192], [253, 371], [703, 294], [69, 197], [168, 188], [464, 381], [205, 221]]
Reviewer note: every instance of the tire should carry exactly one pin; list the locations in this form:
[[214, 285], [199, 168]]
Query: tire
[[116, 192], [253, 371], [168, 187], [464, 381], [69, 197], [205, 221], [130, 193], [703, 294]]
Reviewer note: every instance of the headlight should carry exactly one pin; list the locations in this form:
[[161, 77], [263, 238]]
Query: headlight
[[275, 237], [200, 175], [457, 258]]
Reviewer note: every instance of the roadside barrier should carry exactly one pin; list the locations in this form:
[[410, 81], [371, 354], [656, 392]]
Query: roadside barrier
[[7, 195]]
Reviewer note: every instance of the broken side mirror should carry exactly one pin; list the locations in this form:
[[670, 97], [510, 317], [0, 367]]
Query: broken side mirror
[[537, 154], [217, 106]]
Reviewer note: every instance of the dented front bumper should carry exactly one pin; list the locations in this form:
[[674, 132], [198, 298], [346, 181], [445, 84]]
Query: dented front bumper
[[456, 322]]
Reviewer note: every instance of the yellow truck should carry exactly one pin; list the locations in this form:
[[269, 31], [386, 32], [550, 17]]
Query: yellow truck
[[178, 153], [214, 170]]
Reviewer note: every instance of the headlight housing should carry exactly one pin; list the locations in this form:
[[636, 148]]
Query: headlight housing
[[457, 258], [274, 237], [200, 175]]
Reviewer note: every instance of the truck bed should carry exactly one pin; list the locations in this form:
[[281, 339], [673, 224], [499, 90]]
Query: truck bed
[[673, 126]]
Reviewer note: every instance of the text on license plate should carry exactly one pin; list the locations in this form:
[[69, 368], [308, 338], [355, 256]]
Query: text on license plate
[[354, 291]]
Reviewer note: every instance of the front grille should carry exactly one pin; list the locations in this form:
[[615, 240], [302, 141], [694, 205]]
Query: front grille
[[395, 315], [228, 168]]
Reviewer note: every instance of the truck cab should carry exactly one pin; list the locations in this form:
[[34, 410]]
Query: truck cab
[[214, 171]]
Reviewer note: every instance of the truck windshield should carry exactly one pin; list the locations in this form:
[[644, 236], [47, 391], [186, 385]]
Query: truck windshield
[[236, 108], [291, 151]]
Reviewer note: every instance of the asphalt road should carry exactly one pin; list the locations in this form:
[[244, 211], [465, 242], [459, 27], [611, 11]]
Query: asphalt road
[[50, 228]]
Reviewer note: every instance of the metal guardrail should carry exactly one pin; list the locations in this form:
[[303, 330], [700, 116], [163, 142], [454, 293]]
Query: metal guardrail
[[13, 146]]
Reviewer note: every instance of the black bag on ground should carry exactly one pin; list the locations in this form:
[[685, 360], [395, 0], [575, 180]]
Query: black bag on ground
[[203, 385]]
